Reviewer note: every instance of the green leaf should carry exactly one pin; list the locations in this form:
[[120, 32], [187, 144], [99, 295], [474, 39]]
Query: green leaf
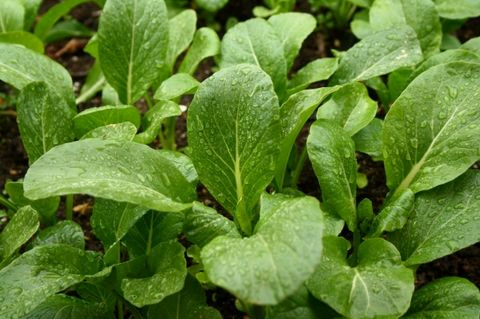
[[203, 224], [332, 153], [233, 116], [398, 80], [292, 29], [378, 287], [256, 42], [444, 220], [189, 303], [446, 298], [31, 11], [95, 117], [211, 5], [112, 220], [55, 13], [46, 208], [181, 30], [274, 262], [20, 66], [132, 45], [122, 171], [458, 9], [65, 232], [350, 107], [421, 15], [294, 113], [94, 83], [317, 70], [163, 274], [205, 44], [369, 139], [26, 39], [120, 132], [428, 136], [63, 306], [175, 86], [472, 45], [152, 229], [23, 225], [67, 29], [40, 273], [394, 215], [44, 119], [378, 54], [154, 118], [12, 15]]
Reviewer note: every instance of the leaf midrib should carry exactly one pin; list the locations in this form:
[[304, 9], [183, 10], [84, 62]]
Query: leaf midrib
[[130, 62]]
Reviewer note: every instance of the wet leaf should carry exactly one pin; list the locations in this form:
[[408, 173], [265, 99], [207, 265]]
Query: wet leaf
[[317, 70], [181, 30], [175, 86], [458, 9], [64, 232], [369, 139], [205, 44]]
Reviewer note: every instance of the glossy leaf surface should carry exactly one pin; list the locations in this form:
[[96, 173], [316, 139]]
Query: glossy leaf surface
[[64, 232], [205, 44], [317, 70]]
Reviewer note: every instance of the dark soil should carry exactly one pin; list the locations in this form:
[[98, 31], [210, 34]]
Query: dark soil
[[14, 162]]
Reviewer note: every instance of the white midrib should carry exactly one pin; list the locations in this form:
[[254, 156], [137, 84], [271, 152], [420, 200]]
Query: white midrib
[[238, 172], [354, 286], [2, 24], [130, 62]]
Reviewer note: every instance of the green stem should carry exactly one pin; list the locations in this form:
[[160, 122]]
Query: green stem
[[299, 168], [69, 207], [149, 101], [8, 112], [357, 239], [8, 204], [120, 309], [169, 134], [254, 312], [150, 237]]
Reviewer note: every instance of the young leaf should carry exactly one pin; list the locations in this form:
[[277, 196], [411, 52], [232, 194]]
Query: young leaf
[[44, 119], [446, 298], [163, 274], [122, 171], [112, 220], [189, 303], [350, 107], [317, 70], [23, 225], [369, 139], [11, 16], [26, 39], [378, 287], [94, 83], [40, 273], [31, 10], [132, 45], [428, 136], [175, 86], [332, 153], [378, 54], [274, 262], [20, 66], [256, 42], [203, 224], [181, 31], [292, 29], [459, 9], [67, 29], [205, 44], [211, 5], [234, 134], [444, 220], [472, 45], [421, 15], [65, 232], [95, 117], [124, 131]]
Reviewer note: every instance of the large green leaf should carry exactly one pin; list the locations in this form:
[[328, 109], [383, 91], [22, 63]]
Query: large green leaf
[[125, 131], [378, 287], [315, 71], [378, 54], [11, 16], [332, 153], [65, 232], [256, 42], [132, 45], [189, 303], [350, 107], [149, 279], [444, 220], [205, 44], [44, 119], [274, 262], [176, 86], [26, 39], [292, 29], [429, 132], [421, 15], [20, 66], [458, 9], [203, 224], [40, 273], [112, 220], [122, 171], [446, 298], [181, 30], [23, 225], [234, 134]]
